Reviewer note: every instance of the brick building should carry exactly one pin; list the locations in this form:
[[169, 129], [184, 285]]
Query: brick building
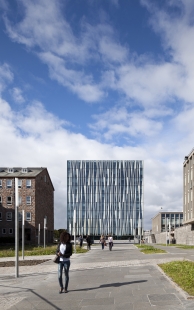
[[36, 198]]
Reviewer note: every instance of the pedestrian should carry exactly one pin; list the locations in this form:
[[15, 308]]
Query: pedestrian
[[80, 241], [88, 240], [64, 250], [110, 242], [102, 241]]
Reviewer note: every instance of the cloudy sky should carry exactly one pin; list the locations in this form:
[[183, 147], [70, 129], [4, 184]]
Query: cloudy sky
[[99, 79]]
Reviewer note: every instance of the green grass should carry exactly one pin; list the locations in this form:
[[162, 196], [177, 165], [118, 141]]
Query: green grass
[[182, 273], [190, 247], [30, 250], [164, 244], [180, 246], [149, 249]]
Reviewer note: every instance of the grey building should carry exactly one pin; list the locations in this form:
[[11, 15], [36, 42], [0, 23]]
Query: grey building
[[188, 188], [160, 222], [108, 196]]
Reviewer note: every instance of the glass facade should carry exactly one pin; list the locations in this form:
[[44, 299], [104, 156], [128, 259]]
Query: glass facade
[[175, 220], [107, 196]]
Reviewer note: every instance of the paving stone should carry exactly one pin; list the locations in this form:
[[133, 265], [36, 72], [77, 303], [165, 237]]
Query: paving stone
[[163, 299], [101, 280], [138, 276], [146, 290], [97, 301], [142, 306]]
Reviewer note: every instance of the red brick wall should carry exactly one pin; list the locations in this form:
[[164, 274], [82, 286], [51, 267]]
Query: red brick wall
[[45, 204], [42, 203]]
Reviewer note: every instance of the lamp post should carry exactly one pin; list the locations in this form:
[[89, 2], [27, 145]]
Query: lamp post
[[38, 234], [74, 221], [16, 228], [45, 223], [23, 234]]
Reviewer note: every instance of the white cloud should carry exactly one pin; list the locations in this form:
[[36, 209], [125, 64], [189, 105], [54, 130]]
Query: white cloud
[[118, 121], [44, 30], [6, 76], [17, 95], [39, 138]]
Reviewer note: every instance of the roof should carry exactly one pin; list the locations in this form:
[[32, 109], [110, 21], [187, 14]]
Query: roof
[[16, 172], [189, 155]]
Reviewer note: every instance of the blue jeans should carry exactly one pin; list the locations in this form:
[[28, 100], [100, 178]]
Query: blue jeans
[[102, 245], [63, 265]]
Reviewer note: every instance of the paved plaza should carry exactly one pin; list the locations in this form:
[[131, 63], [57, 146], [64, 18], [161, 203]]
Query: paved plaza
[[123, 278]]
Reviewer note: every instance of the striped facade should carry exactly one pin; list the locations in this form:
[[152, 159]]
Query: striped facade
[[107, 196]]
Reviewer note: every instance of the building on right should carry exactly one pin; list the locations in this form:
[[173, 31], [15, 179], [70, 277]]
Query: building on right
[[188, 209], [161, 221]]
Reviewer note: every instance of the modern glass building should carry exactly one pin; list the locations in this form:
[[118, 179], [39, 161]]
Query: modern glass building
[[107, 195]]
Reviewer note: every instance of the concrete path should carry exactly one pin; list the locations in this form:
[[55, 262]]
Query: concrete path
[[123, 278]]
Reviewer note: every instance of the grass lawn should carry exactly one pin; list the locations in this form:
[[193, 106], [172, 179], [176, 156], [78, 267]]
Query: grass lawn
[[148, 249], [184, 246], [182, 273], [180, 246], [6, 251], [164, 244]]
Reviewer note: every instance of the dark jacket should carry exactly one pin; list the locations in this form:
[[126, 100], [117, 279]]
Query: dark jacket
[[88, 240], [68, 251]]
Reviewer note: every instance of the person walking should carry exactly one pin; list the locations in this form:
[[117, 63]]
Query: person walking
[[102, 241], [110, 242], [64, 250], [88, 240], [80, 241]]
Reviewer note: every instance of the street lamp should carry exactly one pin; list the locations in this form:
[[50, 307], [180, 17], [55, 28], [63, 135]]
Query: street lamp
[[74, 221], [45, 223]]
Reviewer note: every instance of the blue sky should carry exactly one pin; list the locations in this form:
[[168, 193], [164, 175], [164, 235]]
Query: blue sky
[[99, 79]]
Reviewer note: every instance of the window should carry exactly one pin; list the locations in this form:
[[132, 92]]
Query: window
[[0, 200], [9, 216], [20, 200], [19, 183], [28, 183], [28, 216], [9, 183], [45, 178], [0, 216], [28, 200], [9, 200], [3, 231], [11, 231], [0, 183]]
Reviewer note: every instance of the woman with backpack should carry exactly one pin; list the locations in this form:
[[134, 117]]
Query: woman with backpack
[[64, 251]]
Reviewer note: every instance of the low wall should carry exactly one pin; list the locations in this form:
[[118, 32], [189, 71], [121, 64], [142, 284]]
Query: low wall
[[182, 235], [160, 238]]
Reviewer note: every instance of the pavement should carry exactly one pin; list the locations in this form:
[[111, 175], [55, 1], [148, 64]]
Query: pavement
[[121, 279]]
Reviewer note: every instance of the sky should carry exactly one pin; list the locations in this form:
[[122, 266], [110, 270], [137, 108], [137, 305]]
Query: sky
[[102, 80]]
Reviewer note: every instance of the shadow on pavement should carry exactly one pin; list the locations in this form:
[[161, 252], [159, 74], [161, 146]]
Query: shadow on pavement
[[117, 284]]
